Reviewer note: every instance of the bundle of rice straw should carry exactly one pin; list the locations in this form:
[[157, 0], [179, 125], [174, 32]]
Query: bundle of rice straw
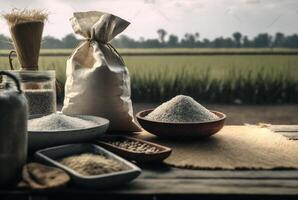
[[26, 28]]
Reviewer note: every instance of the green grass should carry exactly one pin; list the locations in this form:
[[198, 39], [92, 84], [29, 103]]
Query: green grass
[[45, 63], [218, 66], [221, 79], [172, 50]]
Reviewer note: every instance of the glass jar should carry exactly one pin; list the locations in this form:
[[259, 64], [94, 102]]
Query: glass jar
[[39, 89]]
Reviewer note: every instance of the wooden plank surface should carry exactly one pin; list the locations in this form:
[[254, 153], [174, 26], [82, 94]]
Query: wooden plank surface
[[197, 186], [290, 135], [159, 181], [185, 186], [165, 181], [162, 172], [284, 128], [289, 131]]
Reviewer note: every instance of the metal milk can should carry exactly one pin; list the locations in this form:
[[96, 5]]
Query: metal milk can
[[13, 129]]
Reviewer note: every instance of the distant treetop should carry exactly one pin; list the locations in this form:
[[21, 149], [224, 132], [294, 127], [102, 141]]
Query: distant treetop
[[165, 40]]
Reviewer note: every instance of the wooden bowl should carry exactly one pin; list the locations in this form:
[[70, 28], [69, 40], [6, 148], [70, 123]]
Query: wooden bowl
[[182, 130]]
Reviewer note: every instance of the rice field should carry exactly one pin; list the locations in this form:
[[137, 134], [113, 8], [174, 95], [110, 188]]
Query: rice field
[[216, 79], [247, 79], [173, 50]]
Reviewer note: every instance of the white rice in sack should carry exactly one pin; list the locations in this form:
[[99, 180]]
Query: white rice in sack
[[98, 81]]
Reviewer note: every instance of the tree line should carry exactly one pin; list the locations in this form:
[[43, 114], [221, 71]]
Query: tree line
[[165, 40], [192, 40], [48, 42]]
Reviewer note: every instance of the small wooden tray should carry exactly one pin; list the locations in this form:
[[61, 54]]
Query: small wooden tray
[[159, 156]]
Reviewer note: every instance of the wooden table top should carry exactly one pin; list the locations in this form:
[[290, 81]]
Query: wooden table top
[[163, 182]]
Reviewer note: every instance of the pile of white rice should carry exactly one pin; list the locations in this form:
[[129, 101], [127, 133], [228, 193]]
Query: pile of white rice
[[58, 122], [181, 109]]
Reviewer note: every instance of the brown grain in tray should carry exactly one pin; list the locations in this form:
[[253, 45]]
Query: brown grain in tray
[[151, 152]]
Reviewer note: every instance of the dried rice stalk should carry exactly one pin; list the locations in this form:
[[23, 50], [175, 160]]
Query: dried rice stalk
[[20, 16], [26, 28]]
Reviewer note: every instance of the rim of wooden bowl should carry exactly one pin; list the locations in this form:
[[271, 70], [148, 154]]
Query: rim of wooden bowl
[[221, 116]]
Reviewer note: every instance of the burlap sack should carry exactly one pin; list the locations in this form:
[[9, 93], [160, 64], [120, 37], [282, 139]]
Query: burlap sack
[[98, 82]]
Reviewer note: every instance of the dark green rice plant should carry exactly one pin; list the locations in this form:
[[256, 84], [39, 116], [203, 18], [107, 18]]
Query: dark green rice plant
[[261, 86]]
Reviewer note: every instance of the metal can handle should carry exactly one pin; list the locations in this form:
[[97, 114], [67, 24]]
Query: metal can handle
[[14, 78], [10, 59]]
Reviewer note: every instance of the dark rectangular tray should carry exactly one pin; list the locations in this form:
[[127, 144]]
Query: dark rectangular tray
[[51, 155]]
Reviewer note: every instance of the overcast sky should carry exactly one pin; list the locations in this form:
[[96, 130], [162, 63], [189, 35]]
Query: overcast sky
[[211, 18]]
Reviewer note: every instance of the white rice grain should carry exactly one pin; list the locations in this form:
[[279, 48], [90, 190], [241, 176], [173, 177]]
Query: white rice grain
[[58, 122], [181, 109]]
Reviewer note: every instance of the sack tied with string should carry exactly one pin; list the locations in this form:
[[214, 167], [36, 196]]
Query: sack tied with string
[[98, 81]]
